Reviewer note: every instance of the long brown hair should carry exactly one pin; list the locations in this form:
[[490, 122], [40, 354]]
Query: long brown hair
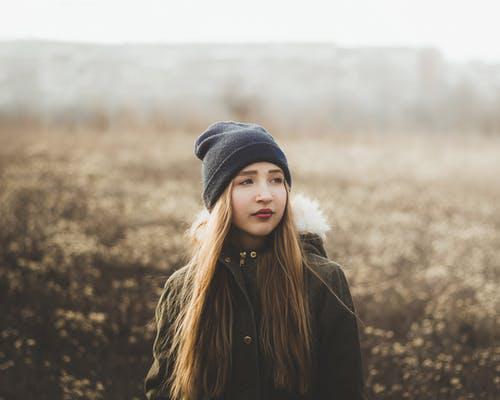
[[201, 334]]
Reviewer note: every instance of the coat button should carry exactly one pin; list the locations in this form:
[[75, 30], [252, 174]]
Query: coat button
[[247, 339], [253, 254], [227, 259]]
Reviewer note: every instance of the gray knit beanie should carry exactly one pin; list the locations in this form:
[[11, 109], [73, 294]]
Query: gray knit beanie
[[226, 147]]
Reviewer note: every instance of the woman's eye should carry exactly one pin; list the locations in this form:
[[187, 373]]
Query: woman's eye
[[247, 181]]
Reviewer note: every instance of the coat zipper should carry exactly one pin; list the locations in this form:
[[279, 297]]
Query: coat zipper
[[243, 254]]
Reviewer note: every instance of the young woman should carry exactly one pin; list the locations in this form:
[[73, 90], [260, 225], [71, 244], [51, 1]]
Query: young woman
[[259, 312]]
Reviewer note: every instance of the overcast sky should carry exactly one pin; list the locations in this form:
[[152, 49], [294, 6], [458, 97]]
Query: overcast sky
[[462, 30]]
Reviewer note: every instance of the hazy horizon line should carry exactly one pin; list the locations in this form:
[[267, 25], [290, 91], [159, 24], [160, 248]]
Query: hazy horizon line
[[254, 42]]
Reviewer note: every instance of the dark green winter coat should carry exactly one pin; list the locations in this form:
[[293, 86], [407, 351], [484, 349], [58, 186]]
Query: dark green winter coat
[[337, 367]]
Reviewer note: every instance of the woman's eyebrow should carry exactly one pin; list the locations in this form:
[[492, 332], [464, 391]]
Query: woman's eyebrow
[[254, 172]]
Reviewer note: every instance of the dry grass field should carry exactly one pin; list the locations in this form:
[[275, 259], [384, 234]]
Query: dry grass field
[[91, 224]]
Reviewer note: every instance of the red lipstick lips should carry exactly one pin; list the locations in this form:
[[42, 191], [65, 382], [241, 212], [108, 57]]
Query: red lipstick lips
[[264, 213]]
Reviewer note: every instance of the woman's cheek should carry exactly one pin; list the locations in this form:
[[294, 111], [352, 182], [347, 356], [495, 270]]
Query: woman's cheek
[[281, 195]]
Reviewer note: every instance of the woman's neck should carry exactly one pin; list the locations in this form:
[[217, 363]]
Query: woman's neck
[[242, 240]]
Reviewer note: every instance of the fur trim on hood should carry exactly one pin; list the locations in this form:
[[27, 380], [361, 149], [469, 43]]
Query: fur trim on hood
[[309, 218]]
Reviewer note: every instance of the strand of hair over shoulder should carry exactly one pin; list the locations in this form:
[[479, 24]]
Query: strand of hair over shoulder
[[332, 291]]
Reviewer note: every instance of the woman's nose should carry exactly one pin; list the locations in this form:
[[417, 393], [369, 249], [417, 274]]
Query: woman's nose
[[264, 193]]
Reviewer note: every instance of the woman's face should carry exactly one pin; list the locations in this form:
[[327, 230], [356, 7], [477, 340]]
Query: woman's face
[[258, 186]]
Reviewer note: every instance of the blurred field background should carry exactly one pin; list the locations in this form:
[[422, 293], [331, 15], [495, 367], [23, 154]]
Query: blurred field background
[[94, 202]]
